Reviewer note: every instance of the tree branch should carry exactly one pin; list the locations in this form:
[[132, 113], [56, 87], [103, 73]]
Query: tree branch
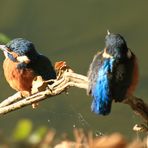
[[59, 86], [138, 106], [66, 80]]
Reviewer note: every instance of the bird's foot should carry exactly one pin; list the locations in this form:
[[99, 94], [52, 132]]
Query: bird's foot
[[25, 93]]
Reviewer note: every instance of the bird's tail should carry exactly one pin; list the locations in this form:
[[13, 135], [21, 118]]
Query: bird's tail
[[101, 106], [101, 90]]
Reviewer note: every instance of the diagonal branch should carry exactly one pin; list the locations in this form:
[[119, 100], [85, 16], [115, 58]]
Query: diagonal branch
[[66, 80], [69, 79], [138, 106]]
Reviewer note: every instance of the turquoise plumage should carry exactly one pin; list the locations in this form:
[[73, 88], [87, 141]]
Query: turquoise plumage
[[101, 91], [112, 75]]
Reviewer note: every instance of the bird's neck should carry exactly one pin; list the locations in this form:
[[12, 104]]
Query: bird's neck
[[106, 54]]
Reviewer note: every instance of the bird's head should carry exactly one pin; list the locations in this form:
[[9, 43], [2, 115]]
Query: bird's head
[[116, 46], [20, 50]]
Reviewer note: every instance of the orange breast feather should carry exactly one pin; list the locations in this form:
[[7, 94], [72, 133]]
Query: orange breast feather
[[18, 79]]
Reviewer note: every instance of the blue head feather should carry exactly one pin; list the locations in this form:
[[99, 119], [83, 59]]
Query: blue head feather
[[101, 90], [22, 47], [116, 45], [40, 64]]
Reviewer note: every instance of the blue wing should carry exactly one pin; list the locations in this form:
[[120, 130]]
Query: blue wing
[[100, 77]]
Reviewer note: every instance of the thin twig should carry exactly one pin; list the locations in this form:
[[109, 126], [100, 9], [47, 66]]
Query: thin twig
[[138, 106], [17, 96]]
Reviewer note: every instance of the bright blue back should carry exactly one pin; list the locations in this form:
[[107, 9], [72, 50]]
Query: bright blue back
[[101, 92]]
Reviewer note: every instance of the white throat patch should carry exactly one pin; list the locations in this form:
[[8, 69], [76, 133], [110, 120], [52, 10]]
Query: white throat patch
[[106, 55]]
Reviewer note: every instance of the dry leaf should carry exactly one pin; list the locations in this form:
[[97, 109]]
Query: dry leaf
[[61, 67]]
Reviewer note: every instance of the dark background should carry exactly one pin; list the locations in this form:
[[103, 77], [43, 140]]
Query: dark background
[[73, 30]]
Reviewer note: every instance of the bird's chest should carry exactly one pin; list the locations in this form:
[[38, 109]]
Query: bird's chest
[[18, 79]]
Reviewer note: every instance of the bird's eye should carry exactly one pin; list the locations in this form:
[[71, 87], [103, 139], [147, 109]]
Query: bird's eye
[[9, 50]]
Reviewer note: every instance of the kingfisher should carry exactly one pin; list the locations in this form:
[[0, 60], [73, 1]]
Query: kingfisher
[[112, 75], [23, 63]]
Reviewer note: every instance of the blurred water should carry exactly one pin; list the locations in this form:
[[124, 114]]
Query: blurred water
[[73, 31]]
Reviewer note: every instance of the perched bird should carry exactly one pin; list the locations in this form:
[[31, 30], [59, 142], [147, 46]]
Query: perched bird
[[112, 75], [23, 63]]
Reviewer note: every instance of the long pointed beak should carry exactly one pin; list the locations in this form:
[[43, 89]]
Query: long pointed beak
[[19, 58], [4, 48]]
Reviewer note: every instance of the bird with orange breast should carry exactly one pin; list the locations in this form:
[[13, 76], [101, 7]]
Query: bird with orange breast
[[23, 63], [112, 75]]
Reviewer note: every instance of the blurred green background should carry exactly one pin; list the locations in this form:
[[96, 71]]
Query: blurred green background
[[73, 30]]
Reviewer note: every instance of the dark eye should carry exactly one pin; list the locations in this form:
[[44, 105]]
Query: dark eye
[[9, 50]]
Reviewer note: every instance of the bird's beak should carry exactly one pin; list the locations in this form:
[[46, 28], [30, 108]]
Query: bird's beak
[[18, 58], [3, 48], [108, 33]]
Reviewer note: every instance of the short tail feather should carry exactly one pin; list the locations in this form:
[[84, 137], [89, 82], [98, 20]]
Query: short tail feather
[[101, 107], [100, 89]]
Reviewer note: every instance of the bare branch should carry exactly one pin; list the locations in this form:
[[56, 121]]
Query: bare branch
[[11, 99], [138, 106], [59, 86], [65, 80]]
